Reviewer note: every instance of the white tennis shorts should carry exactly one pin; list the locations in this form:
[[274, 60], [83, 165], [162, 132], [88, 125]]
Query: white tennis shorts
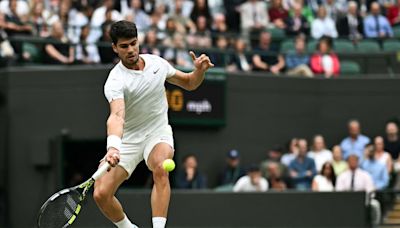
[[132, 154]]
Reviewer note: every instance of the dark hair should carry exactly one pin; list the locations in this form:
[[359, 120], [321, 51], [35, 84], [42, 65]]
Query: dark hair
[[253, 168], [328, 40], [333, 175], [187, 156], [122, 29]]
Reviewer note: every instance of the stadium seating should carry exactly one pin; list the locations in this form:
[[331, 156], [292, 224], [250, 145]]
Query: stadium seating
[[343, 46], [368, 46], [396, 31], [287, 45], [33, 51], [348, 67], [391, 45], [311, 45]]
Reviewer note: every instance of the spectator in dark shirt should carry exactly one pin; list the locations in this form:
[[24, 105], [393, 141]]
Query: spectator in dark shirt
[[392, 141], [200, 8], [297, 23], [233, 169], [106, 52], [189, 176], [17, 26], [232, 14], [220, 58], [297, 61], [150, 43], [302, 169], [267, 58], [239, 60], [351, 25], [58, 49]]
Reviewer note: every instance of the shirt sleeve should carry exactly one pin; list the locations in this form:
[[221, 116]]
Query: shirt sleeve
[[264, 185], [114, 88], [369, 183], [170, 69], [239, 185]]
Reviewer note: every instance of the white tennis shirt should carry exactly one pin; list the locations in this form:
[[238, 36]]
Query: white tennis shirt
[[146, 106]]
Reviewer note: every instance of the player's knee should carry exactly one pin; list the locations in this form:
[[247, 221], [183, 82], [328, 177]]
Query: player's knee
[[160, 175], [101, 195]]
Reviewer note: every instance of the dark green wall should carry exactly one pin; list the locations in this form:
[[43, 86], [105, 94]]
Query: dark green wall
[[230, 210]]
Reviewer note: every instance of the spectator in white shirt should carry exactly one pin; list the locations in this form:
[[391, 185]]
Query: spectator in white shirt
[[381, 155], [323, 25], [290, 155], [326, 180], [99, 17], [319, 152], [254, 16], [252, 182], [356, 179], [22, 8]]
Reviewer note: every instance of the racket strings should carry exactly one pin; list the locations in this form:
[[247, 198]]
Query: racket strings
[[57, 213]]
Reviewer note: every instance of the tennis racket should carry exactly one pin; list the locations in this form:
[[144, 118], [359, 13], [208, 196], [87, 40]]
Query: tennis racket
[[62, 208]]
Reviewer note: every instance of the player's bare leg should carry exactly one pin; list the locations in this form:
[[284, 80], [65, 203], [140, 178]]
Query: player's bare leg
[[161, 192], [104, 191]]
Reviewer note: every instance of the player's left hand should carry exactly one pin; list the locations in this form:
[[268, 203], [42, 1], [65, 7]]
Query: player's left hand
[[202, 62]]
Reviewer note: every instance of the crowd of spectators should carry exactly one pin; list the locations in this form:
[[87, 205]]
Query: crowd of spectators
[[310, 165], [357, 163], [235, 33]]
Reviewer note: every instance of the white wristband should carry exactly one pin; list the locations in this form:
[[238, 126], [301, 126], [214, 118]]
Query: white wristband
[[114, 141]]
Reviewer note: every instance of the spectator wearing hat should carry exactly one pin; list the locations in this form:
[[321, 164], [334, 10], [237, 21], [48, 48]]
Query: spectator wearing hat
[[252, 182], [233, 170]]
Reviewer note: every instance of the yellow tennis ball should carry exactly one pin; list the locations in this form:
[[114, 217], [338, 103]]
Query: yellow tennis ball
[[168, 165]]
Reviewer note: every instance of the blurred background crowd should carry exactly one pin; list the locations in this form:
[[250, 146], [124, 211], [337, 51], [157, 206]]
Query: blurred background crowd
[[295, 37], [357, 163]]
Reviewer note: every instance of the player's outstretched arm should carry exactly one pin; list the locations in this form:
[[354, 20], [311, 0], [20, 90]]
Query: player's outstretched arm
[[115, 126], [190, 81]]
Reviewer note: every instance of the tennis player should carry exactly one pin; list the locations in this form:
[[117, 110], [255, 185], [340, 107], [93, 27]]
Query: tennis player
[[138, 127]]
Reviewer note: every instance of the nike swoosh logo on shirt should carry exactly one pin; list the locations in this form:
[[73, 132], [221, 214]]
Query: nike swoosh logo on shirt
[[155, 72]]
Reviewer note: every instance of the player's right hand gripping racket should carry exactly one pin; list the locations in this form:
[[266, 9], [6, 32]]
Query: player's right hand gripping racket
[[62, 208]]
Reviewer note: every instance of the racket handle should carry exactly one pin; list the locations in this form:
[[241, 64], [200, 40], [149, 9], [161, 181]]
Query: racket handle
[[101, 171]]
